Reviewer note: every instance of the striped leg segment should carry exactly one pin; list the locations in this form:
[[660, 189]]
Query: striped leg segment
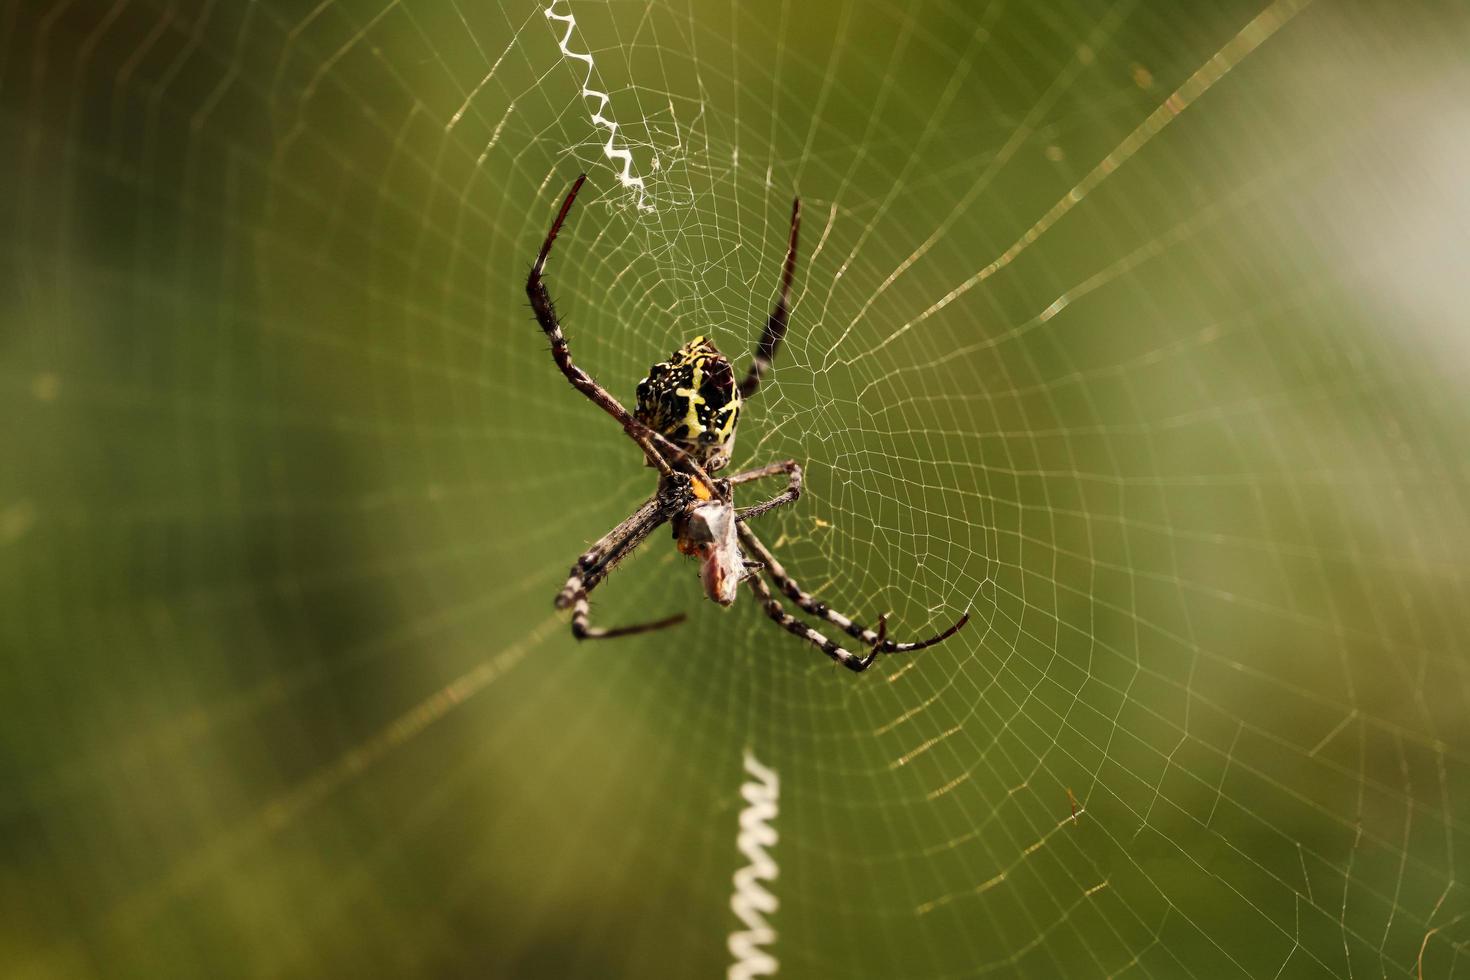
[[597, 561], [877, 639], [770, 342], [594, 564], [796, 627], [790, 467]]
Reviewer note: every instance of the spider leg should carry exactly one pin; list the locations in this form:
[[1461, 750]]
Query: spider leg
[[594, 565], [582, 631], [790, 467], [770, 342], [796, 627], [877, 639], [546, 316]]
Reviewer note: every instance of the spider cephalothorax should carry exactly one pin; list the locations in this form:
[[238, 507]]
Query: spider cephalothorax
[[688, 408], [692, 400]]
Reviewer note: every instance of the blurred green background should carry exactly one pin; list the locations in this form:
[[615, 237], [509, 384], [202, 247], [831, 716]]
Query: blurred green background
[[1138, 328]]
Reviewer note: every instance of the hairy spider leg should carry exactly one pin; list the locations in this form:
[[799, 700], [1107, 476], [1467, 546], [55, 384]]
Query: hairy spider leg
[[796, 627], [594, 564], [790, 467], [770, 342], [545, 311], [764, 559], [877, 639], [546, 316]]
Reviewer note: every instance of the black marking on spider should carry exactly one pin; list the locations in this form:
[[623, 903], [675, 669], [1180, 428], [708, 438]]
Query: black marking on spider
[[684, 422], [691, 398]]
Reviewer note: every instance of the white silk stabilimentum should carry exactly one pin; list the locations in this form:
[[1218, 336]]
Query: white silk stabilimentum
[[610, 149], [751, 901]]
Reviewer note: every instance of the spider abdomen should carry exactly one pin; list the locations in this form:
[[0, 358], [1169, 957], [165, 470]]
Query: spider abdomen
[[692, 400]]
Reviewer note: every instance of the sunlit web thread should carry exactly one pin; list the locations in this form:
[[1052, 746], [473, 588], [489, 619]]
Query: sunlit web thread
[[1250, 37], [751, 901], [610, 149]]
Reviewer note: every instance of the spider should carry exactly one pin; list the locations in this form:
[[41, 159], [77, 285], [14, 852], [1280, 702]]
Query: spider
[[687, 411]]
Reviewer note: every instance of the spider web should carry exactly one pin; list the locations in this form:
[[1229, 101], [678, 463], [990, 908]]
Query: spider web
[[1137, 329]]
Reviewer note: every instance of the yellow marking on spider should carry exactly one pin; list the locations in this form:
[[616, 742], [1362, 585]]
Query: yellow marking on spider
[[731, 411], [691, 417], [701, 489], [694, 399]]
